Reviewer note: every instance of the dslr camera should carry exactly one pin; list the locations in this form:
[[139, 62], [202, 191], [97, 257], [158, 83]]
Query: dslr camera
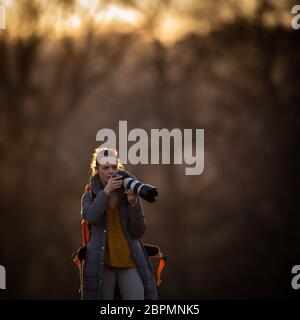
[[145, 191]]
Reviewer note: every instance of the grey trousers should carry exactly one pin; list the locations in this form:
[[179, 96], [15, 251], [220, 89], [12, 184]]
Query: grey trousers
[[129, 281]]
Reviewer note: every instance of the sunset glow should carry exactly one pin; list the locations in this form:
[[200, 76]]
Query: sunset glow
[[167, 24]]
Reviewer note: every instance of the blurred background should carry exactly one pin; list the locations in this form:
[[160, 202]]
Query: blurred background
[[70, 68]]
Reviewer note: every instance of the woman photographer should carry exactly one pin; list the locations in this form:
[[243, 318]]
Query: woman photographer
[[115, 255]]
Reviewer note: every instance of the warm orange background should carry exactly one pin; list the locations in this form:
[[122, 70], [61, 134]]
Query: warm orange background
[[70, 68]]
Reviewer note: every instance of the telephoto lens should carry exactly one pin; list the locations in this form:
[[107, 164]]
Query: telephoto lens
[[145, 191]]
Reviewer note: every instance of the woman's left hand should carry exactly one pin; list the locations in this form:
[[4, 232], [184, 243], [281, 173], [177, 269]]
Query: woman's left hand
[[131, 197]]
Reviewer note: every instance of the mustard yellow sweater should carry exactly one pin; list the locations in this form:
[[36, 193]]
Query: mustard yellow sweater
[[118, 253]]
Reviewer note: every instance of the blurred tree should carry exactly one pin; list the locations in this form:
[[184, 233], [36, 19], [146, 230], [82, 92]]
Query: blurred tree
[[239, 80]]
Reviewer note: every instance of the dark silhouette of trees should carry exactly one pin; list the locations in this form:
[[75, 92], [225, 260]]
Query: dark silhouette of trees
[[231, 232]]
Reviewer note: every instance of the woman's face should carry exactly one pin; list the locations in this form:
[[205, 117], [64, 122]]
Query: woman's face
[[106, 171]]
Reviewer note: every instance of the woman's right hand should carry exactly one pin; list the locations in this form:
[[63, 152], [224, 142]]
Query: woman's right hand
[[113, 184]]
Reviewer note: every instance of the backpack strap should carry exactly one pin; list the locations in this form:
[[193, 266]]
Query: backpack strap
[[85, 229], [154, 252], [78, 256], [85, 232], [160, 268]]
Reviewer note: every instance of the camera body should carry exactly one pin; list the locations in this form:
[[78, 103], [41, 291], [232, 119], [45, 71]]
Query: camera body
[[145, 191]]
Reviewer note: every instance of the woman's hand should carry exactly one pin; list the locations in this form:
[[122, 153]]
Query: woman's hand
[[131, 197], [113, 184]]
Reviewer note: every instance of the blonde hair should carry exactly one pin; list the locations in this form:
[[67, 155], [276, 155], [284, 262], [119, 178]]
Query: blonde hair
[[94, 164]]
